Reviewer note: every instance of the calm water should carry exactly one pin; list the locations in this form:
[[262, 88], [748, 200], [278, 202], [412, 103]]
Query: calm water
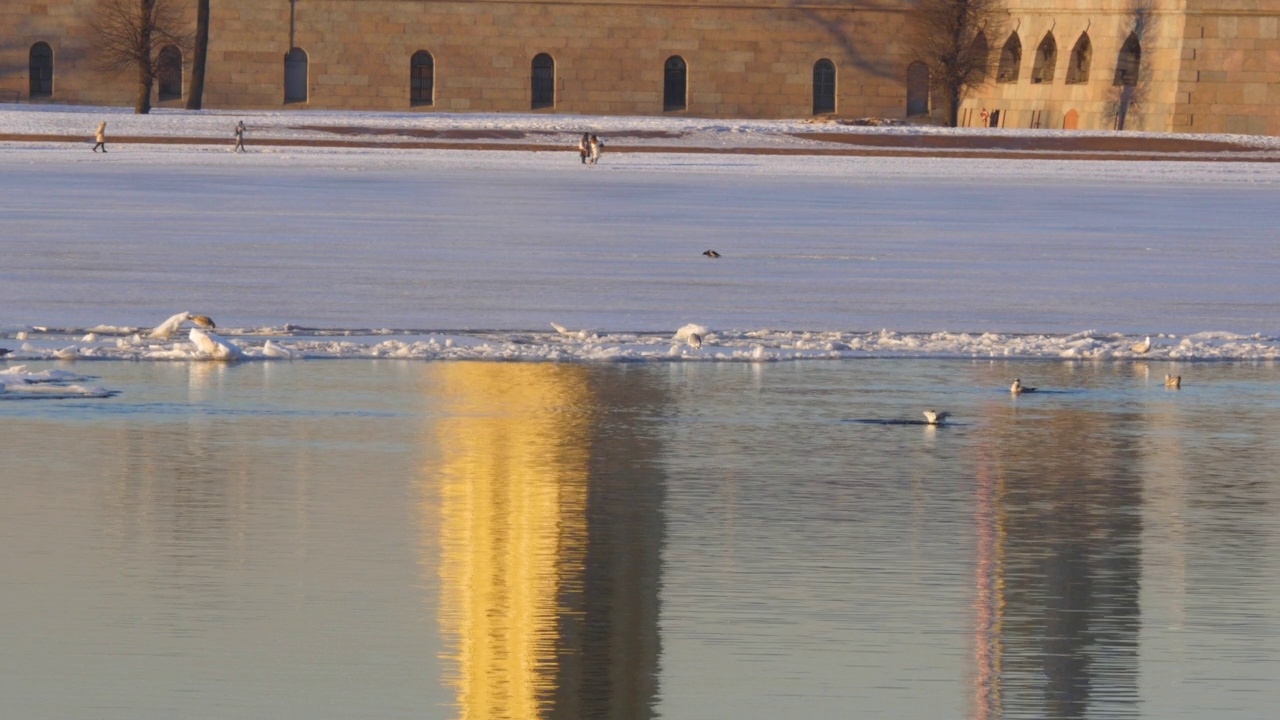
[[484, 540]]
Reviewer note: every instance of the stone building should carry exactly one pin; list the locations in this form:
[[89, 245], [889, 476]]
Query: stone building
[[1163, 65]]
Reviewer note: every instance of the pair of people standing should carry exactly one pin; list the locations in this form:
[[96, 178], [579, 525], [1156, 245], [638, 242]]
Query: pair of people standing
[[589, 148]]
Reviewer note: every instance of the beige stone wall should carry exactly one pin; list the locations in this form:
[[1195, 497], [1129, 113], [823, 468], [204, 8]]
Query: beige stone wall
[[1207, 65], [1096, 103], [1230, 68], [744, 60]]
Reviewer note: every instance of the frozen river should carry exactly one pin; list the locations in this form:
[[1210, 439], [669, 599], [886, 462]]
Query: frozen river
[[452, 240]]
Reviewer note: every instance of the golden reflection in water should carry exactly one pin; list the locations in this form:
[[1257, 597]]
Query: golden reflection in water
[[513, 478], [989, 586]]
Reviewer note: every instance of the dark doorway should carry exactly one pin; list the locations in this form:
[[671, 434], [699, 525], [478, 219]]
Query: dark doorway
[[675, 85]]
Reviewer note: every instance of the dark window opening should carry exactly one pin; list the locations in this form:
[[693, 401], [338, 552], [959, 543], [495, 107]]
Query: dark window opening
[[169, 78], [544, 82], [980, 54], [675, 84], [40, 73], [1081, 58], [917, 89], [1129, 62], [1010, 60], [824, 87], [1046, 59], [295, 76], [422, 78]]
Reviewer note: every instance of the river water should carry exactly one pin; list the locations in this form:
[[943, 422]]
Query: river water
[[390, 539]]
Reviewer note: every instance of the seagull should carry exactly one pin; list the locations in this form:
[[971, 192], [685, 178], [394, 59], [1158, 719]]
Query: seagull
[[167, 328], [579, 334], [4, 351], [203, 321], [1017, 387], [712, 254], [1142, 347], [1173, 381], [695, 341], [932, 417]]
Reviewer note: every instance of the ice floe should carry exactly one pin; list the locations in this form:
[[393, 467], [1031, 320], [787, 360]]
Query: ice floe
[[17, 383], [763, 345]]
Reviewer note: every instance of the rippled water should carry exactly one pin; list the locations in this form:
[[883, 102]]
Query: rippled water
[[492, 540]]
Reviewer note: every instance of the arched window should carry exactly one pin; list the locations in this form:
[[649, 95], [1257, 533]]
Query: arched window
[[170, 77], [422, 78], [40, 73], [544, 82], [1046, 59], [824, 87], [295, 76], [675, 84], [917, 89], [1129, 62], [980, 54], [1081, 58], [1010, 60]]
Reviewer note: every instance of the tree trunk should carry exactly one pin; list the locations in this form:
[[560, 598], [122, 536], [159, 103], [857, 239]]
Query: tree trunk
[[146, 73], [195, 93], [143, 104], [953, 106]]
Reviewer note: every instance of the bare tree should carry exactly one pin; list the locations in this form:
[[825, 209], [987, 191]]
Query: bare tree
[[195, 91], [130, 35], [944, 35], [1132, 83]]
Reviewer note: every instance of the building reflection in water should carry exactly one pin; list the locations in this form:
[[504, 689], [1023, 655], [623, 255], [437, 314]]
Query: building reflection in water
[[550, 533], [1058, 567]]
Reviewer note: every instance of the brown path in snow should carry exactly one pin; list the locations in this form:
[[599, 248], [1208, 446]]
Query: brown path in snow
[[1025, 147]]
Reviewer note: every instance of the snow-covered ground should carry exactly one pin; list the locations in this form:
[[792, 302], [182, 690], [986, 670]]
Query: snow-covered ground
[[523, 129], [376, 252]]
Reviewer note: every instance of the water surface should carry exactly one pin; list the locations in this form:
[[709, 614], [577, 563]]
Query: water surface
[[488, 540]]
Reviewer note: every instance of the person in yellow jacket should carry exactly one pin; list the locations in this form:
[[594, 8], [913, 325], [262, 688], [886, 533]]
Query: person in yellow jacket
[[102, 137]]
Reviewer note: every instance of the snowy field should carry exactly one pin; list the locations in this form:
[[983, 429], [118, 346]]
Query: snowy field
[[372, 252]]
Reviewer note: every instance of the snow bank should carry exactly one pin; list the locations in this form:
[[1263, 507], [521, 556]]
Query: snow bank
[[272, 344]]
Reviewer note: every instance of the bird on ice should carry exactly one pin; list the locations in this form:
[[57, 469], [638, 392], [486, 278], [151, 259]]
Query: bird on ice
[[1017, 388], [933, 417], [712, 254], [579, 334], [166, 329], [1173, 381], [1143, 347], [695, 341]]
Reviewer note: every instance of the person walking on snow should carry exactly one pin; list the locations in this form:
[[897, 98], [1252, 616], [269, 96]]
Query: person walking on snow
[[239, 137], [595, 149], [101, 137], [584, 147]]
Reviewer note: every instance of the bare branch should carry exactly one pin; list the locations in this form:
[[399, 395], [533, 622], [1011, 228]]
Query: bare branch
[[952, 38], [129, 35]]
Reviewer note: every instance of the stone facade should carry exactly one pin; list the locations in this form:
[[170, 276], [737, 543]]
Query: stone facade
[[1205, 66]]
